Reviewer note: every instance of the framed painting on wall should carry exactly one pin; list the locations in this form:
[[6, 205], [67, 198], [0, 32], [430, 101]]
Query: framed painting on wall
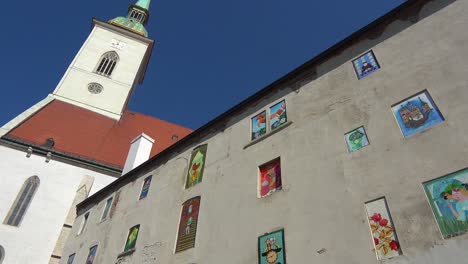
[[382, 230], [278, 115], [271, 248], [356, 139], [416, 113], [448, 197], [91, 255], [132, 238], [270, 178], [145, 188], [259, 125], [365, 64], [196, 166], [188, 225]]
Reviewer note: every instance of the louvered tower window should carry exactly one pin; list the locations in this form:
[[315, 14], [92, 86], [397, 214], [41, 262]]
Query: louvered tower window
[[107, 63], [22, 201]]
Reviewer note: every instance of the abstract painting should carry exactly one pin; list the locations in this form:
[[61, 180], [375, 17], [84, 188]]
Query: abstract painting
[[196, 167], [145, 188], [417, 113], [259, 125], [382, 230], [448, 197], [270, 177], [188, 225], [91, 255], [271, 249], [356, 139], [132, 238], [365, 64], [278, 115]]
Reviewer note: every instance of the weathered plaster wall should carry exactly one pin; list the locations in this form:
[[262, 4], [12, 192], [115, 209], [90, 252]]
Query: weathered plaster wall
[[34, 240], [324, 188]]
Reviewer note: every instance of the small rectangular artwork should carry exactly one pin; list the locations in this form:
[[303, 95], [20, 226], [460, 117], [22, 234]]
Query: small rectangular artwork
[[356, 139], [259, 125], [188, 225], [278, 115], [417, 113], [382, 230], [270, 178], [196, 167], [106, 208], [271, 248], [448, 197], [91, 255], [71, 258], [365, 64], [132, 238], [145, 188]]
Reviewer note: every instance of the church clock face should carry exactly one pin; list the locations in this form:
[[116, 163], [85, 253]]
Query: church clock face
[[95, 88]]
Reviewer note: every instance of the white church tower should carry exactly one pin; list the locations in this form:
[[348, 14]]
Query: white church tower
[[110, 63]]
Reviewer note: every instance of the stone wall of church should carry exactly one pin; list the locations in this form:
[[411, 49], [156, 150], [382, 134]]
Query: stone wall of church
[[33, 241], [325, 188]]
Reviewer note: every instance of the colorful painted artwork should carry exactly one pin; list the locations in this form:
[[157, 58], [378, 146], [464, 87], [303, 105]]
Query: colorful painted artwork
[[382, 230], [271, 248], [71, 258], [278, 115], [132, 238], [188, 225], [106, 208], [417, 113], [145, 188], [356, 139], [91, 255], [259, 125], [197, 165], [365, 65], [270, 177], [448, 197]]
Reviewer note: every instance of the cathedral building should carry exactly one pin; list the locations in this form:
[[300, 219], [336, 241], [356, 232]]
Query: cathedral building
[[75, 141], [357, 156]]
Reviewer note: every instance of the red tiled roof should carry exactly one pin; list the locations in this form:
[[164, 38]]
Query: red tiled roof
[[86, 134]]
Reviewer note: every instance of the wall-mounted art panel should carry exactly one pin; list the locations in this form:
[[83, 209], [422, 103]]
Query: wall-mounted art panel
[[259, 125], [417, 113], [145, 188], [270, 178], [365, 64], [188, 225], [382, 229], [356, 139], [271, 248], [91, 255], [70, 260], [448, 197], [278, 115], [196, 166], [132, 238]]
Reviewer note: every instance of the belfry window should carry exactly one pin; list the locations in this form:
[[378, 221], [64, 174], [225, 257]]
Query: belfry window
[[22, 201], [107, 63]]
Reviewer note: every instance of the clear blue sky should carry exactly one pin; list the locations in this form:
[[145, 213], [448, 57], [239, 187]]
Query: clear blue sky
[[209, 54]]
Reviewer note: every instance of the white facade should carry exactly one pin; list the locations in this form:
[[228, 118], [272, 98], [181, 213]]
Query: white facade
[[132, 51], [34, 239]]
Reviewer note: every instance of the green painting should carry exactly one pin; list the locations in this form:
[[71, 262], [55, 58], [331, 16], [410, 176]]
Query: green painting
[[197, 166], [448, 197], [132, 238], [271, 248], [356, 139]]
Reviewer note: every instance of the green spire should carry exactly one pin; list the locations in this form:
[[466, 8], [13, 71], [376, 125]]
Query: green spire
[[136, 19], [144, 3]]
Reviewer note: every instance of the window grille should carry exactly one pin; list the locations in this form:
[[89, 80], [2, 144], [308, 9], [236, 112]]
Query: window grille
[[107, 63], [22, 201]]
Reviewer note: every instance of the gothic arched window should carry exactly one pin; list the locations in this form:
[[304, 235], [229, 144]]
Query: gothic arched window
[[107, 63], [22, 201]]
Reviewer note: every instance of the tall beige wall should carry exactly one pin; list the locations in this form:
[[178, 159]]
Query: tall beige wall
[[324, 187]]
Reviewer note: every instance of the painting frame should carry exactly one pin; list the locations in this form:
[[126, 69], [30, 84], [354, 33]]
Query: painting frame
[[254, 133], [449, 226], [191, 225], [380, 222], [262, 250], [278, 111], [131, 245], [371, 59], [195, 172], [145, 187], [414, 117], [364, 135], [92, 253], [269, 173]]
